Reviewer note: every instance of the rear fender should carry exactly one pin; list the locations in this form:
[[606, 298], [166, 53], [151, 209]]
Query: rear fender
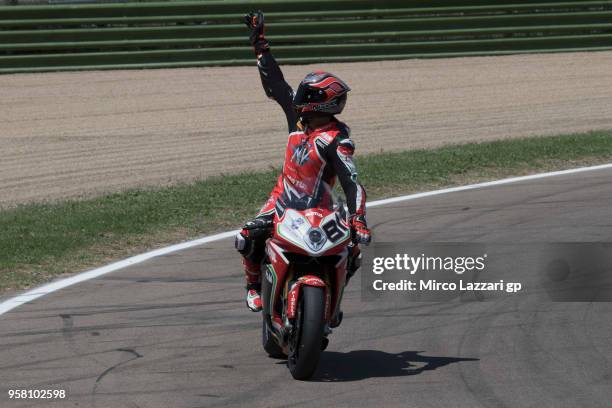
[[294, 293]]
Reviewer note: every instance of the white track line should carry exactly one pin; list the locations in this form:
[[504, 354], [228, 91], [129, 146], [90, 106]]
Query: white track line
[[43, 290]]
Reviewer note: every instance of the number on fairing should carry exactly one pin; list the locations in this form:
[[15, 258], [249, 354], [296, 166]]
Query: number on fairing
[[333, 231]]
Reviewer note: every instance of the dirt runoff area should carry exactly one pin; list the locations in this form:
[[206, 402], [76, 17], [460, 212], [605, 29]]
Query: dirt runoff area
[[66, 135]]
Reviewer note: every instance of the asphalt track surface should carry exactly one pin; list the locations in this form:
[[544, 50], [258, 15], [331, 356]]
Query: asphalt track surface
[[174, 331]]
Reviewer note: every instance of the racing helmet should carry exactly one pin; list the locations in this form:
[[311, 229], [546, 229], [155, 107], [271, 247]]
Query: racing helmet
[[320, 92]]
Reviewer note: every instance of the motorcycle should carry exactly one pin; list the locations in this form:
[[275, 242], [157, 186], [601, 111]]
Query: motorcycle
[[305, 272]]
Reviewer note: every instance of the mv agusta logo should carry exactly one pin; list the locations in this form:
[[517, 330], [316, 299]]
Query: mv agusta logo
[[300, 153]]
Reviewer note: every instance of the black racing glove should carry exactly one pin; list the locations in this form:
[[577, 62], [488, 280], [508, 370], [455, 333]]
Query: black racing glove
[[255, 22], [258, 223]]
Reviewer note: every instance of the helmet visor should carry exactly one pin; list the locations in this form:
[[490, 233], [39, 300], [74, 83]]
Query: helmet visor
[[306, 95]]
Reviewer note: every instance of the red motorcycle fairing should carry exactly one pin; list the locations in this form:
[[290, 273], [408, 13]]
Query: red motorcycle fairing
[[278, 274], [321, 219], [275, 272]]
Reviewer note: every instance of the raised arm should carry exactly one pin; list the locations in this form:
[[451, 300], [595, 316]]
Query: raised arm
[[272, 78]]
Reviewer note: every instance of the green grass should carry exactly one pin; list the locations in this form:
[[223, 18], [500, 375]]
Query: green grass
[[39, 241]]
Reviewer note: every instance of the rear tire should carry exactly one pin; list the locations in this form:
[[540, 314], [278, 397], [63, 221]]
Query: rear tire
[[307, 339], [269, 344]]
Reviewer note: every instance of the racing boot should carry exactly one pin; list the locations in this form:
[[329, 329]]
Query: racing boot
[[253, 297], [337, 320], [253, 287]]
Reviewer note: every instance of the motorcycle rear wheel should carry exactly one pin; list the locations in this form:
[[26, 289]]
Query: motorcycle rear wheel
[[307, 337]]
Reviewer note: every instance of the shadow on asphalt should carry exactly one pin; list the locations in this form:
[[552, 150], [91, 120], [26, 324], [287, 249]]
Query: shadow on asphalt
[[361, 364]]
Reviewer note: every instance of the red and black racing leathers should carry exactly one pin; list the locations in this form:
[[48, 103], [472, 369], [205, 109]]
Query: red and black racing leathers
[[314, 157]]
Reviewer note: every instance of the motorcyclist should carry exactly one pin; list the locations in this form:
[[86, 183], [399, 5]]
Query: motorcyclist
[[319, 149]]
